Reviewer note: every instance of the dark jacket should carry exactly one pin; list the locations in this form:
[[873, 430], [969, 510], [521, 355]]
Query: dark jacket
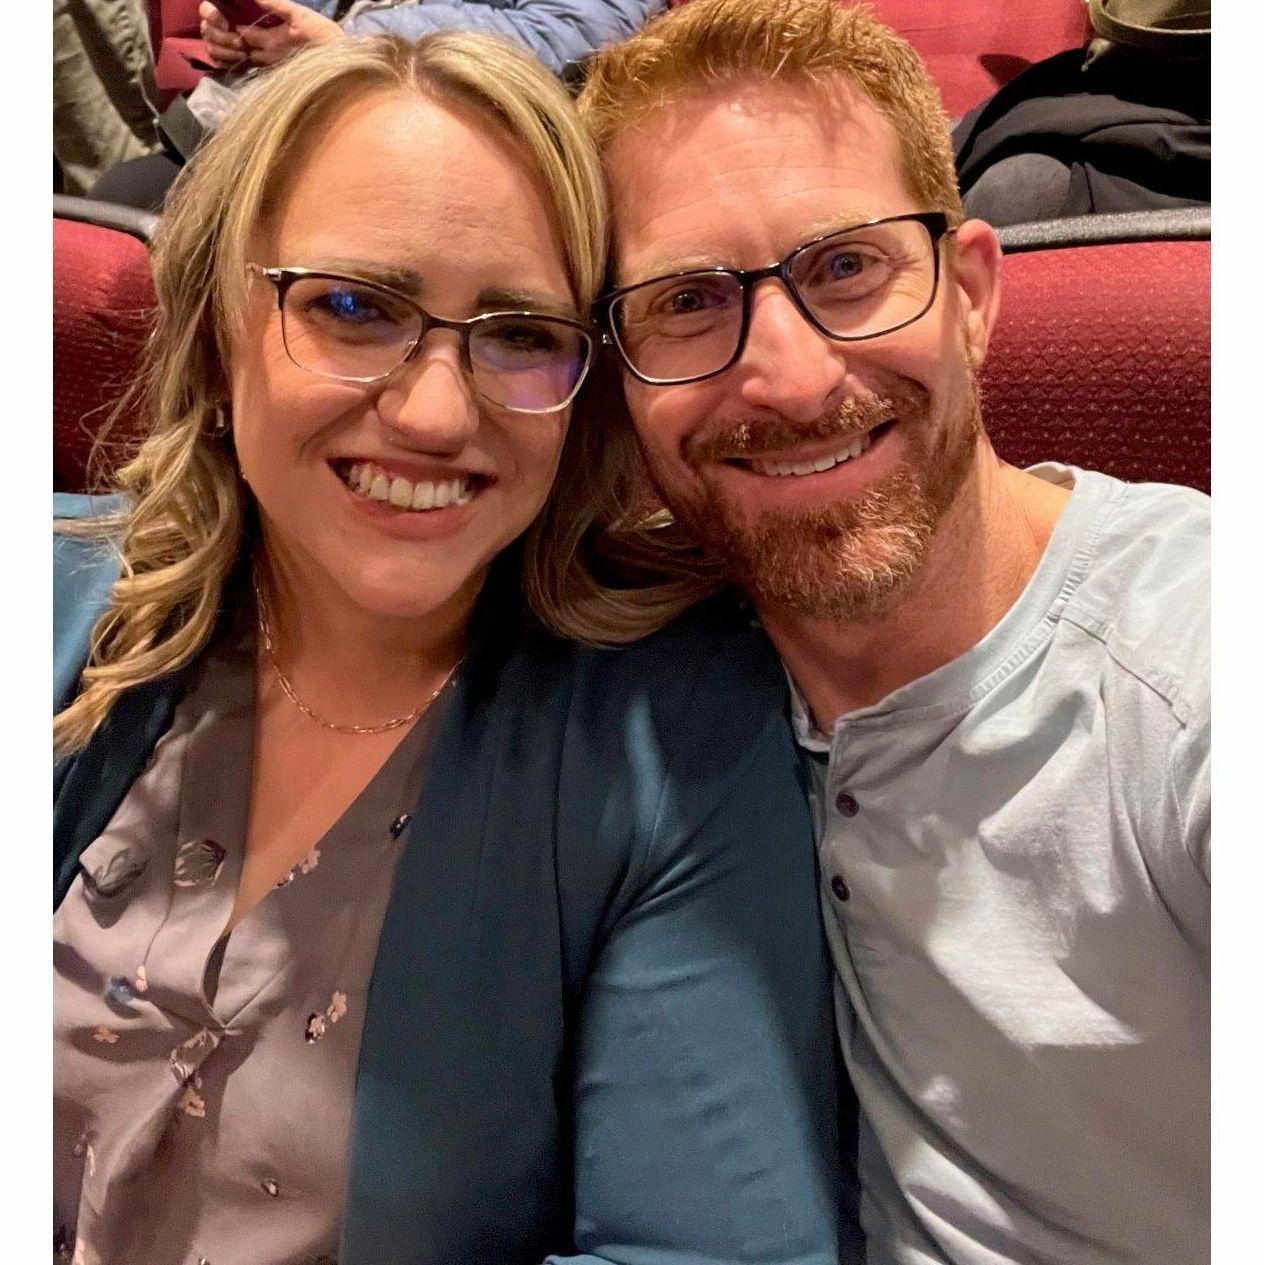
[[599, 1021], [1132, 131]]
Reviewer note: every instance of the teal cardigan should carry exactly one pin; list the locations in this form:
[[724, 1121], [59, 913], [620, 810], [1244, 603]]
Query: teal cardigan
[[599, 1025]]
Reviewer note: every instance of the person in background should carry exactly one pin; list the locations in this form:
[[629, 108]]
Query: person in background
[[391, 924], [558, 32], [103, 89], [1001, 675], [561, 33]]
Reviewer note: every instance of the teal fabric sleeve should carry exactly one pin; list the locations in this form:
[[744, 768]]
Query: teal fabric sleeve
[[83, 572], [705, 1103]]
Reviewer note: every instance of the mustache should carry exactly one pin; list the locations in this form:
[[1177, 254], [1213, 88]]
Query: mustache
[[854, 417]]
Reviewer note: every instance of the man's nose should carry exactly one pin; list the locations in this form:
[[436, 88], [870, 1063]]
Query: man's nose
[[430, 402], [788, 365]]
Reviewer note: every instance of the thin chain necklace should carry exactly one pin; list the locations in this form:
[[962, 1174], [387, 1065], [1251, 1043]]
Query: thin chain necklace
[[269, 647]]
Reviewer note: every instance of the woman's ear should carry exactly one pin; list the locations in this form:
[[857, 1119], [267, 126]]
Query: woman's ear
[[974, 271]]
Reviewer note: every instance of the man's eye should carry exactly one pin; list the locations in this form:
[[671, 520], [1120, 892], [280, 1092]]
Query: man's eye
[[845, 264], [686, 301], [690, 300]]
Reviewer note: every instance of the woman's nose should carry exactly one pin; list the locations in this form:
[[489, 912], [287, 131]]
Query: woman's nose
[[429, 401]]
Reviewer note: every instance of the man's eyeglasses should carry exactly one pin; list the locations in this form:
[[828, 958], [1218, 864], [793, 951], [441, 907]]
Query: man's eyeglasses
[[852, 284], [359, 331]]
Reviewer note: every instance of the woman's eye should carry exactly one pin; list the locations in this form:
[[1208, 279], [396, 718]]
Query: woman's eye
[[348, 305], [527, 337]]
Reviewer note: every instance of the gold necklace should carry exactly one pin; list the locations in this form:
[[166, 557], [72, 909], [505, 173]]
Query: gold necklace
[[269, 647]]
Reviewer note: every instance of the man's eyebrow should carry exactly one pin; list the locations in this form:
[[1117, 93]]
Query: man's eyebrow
[[667, 265]]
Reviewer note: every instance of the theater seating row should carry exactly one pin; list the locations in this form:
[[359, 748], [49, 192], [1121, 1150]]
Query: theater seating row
[[970, 47], [1101, 357]]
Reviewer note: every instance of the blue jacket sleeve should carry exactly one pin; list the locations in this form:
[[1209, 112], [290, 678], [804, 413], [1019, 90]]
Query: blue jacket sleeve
[[556, 31], [705, 1097], [84, 571]]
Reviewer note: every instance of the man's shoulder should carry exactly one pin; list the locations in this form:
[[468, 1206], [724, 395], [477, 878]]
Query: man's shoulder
[[1147, 586]]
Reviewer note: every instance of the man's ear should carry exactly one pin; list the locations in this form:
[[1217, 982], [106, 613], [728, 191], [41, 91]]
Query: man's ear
[[975, 275]]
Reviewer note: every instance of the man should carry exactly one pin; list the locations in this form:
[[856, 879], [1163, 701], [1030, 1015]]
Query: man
[[1000, 676]]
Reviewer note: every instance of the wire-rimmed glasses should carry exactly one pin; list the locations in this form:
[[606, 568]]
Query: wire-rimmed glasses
[[851, 284], [352, 330]]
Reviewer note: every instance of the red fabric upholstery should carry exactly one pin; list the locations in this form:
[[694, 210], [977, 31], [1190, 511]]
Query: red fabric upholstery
[[972, 47], [1102, 358], [103, 299], [173, 32]]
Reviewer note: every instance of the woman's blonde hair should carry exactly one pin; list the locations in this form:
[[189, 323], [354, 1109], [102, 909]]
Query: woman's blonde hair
[[588, 571]]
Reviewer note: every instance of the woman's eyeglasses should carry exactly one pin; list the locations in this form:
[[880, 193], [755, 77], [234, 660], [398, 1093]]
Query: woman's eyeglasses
[[352, 330]]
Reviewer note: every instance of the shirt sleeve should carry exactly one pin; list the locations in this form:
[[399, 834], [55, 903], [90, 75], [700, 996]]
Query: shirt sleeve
[[556, 31], [705, 1095]]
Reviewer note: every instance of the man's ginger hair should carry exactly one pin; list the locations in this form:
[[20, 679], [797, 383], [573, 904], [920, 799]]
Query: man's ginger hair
[[713, 42]]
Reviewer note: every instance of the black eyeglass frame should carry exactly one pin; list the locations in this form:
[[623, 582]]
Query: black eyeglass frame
[[935, 223], [285, 277]]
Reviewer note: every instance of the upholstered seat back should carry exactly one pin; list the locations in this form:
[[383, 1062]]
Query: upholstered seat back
[[103, 302], [1102, 358]]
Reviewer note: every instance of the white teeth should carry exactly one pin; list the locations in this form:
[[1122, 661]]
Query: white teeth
[[828, 462], [378, 485]]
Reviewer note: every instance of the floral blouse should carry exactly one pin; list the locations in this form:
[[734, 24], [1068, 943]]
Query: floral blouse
[[204, 1083]]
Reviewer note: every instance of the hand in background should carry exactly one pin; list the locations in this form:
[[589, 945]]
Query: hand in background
[[264, 46]]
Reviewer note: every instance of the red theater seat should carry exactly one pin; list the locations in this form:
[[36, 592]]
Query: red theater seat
[[173, 33], [972, 47], [103, 301], [1102, 358]]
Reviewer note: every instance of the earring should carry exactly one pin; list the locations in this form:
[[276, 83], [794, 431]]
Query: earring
[[219, 423]]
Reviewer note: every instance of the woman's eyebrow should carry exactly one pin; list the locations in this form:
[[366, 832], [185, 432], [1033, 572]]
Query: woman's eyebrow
[[410, 282], [406, 280], [510, 299]]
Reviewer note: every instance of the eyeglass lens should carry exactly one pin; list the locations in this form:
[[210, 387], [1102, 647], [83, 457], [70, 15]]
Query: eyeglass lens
[[339, 329], [856, 284]]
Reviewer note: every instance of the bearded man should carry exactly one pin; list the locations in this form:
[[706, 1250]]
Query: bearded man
[[1000, 676]]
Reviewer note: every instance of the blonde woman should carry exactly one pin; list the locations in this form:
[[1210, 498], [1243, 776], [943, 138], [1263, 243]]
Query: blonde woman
[[393, 927]]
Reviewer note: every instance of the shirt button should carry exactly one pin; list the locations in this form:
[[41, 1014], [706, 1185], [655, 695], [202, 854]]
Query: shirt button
[[846, 804], [840, 888]]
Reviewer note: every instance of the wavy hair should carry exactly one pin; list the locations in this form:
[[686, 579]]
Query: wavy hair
[[592, 569]]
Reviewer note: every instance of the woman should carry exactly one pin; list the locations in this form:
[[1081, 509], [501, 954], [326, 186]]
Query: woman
[[572, 998]]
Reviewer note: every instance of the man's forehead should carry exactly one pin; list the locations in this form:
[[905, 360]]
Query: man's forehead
[[697, 161]]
